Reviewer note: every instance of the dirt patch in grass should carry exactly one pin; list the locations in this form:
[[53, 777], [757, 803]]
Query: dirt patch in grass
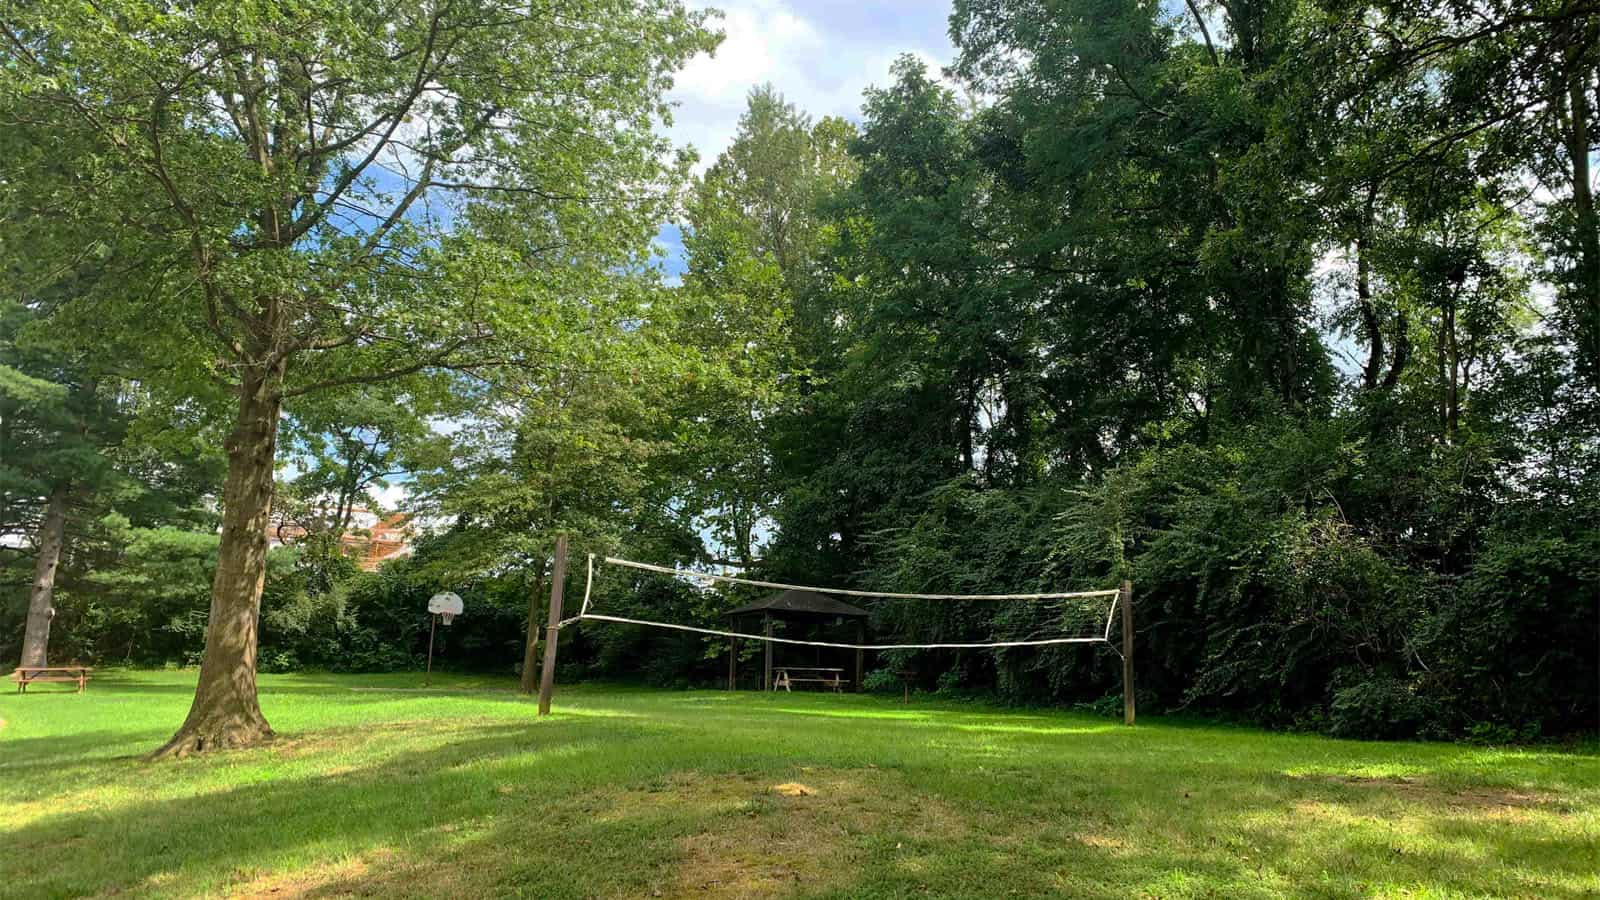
[[1484, 799], [1109, 843], [1477, 803], [311, 881], [764, 839], [311, 743], [726, 835]]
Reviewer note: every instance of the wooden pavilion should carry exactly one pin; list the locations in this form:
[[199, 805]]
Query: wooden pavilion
[[801, 607]]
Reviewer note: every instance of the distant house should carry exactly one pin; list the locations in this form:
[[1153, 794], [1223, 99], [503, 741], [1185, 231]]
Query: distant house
[[371, 540], [390, 539]]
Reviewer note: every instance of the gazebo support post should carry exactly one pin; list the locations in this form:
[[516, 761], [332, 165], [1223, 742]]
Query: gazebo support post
[[766, 628]]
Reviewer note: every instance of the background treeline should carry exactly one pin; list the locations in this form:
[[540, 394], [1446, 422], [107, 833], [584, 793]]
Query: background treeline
[[1287, 311]]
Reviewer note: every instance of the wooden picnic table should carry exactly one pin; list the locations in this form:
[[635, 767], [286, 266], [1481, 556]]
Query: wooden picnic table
[[26, 675], [788, 676]]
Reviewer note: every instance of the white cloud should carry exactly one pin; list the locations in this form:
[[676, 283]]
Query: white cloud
[[761, 39], [391, 497], [819, 55]]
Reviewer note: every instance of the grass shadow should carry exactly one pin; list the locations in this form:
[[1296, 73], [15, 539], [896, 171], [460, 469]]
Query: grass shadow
[[240, 828]]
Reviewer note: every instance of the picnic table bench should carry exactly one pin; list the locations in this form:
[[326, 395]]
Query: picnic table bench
[[786, 677], [26, 675]]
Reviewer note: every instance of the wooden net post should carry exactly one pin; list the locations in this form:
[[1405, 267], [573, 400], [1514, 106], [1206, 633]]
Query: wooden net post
[[733, 662], [1125, 599], [558, 584]]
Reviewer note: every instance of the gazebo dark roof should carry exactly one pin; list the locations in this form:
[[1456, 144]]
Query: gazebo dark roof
[[799, 603]]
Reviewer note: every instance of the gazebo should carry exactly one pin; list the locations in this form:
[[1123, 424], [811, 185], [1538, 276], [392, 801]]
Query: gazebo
[[793, 606]]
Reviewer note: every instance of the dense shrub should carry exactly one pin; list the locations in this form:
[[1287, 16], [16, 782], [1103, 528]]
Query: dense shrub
[[1260, 593], [1379, 707], [883, 681]]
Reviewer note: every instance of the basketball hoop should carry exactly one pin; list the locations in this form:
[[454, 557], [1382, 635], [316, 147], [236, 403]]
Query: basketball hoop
[[446, 606]]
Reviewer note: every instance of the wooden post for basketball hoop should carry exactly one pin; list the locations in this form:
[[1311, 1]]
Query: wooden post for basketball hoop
[[433, 623]]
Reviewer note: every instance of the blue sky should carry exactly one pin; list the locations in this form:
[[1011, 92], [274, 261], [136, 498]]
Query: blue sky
[[821, 54]]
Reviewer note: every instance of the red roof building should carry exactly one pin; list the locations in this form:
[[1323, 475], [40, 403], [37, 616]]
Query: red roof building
[[371, 541]]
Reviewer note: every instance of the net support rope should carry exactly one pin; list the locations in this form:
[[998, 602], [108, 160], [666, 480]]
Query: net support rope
[[584, 614], [778, 640], [842, 592]]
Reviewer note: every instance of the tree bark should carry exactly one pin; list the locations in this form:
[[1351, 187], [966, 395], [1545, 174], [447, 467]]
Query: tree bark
[[1369, 314], [1402, 349], [1450, 369], [530, 660], [225, 713], [52, 534], [1588, 237], [969, 411]]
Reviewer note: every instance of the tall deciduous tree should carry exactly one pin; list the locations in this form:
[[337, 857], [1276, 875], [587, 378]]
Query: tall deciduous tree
[[304, 196], [756, 228]]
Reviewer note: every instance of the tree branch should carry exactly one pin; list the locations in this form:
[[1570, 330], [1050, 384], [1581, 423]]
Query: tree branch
[[1205, 32]]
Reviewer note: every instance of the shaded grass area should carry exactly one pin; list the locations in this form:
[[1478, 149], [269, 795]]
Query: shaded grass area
[[375, 788]]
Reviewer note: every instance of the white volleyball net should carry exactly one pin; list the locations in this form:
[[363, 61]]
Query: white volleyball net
[[727, 606]]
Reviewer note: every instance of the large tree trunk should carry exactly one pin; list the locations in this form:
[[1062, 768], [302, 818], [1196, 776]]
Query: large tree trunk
[[1369, 313], [530, 662], [1449, 365], [1402, 349], [52, 534], [969, 412], [225, 712], [1588, 236]]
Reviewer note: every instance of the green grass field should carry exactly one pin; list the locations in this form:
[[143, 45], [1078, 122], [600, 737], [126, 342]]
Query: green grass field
[[376, 788]]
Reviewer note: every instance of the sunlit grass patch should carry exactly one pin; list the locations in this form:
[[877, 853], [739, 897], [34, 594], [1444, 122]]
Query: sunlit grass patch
[[462, 791]]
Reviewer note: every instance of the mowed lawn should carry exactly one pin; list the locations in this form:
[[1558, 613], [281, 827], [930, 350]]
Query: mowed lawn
[[377, 788]]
